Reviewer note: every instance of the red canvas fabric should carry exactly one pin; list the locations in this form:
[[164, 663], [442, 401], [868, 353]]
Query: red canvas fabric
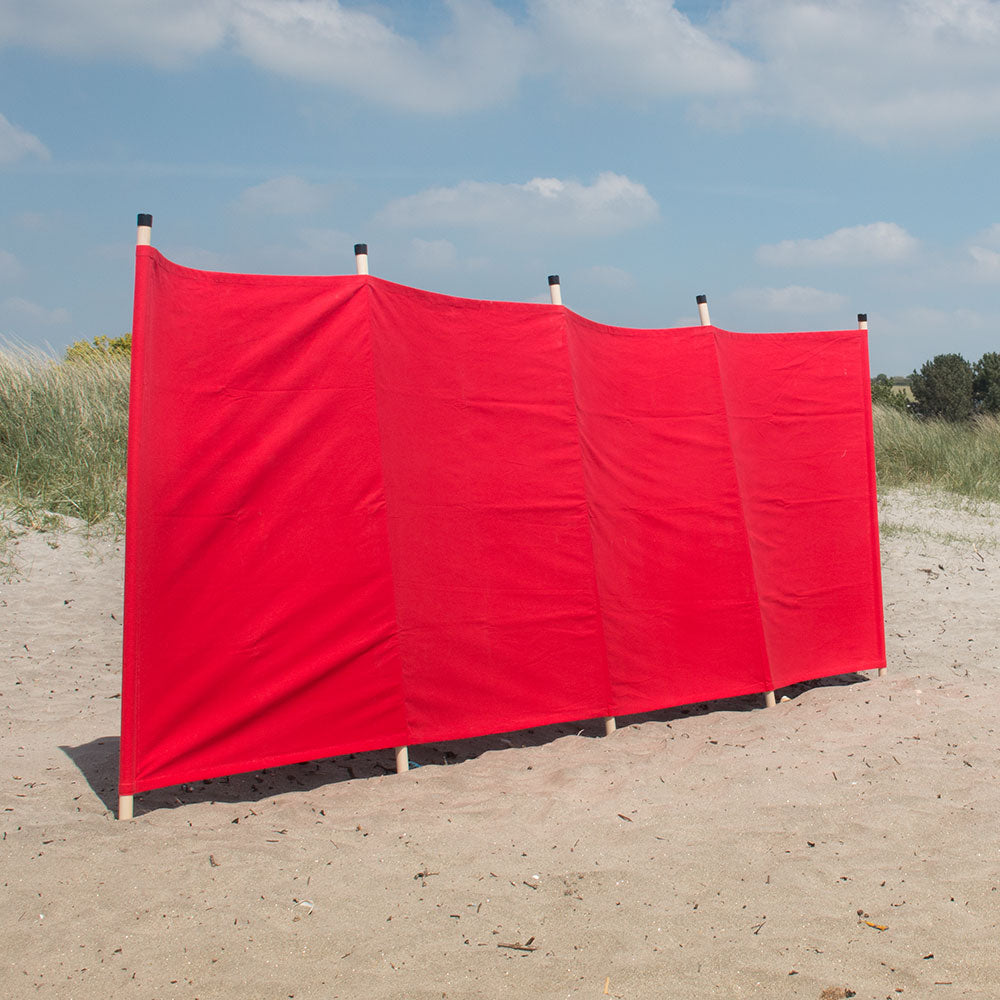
[[362, 515]]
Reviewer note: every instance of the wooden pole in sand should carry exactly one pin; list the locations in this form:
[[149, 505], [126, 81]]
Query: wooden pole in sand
[[555, 293], [706, 320], [361, 262], [143, 238], [863, 325]]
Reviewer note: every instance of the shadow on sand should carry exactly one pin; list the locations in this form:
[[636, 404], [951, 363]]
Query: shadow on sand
[[98, 759]]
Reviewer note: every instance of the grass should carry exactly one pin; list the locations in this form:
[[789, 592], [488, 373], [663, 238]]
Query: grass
[[958, 458], [894, 529], [63, 431]]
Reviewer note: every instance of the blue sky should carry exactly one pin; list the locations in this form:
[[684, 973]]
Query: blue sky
[[797, 162]]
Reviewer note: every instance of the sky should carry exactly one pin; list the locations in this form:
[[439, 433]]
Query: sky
[[796, 162]]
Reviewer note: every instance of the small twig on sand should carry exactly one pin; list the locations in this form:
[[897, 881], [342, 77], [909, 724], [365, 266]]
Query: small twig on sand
[[527, 946]]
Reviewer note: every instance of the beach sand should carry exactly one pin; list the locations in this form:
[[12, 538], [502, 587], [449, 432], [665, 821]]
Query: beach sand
[[846, 840]]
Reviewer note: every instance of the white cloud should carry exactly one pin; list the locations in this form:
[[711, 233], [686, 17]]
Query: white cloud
[[940, 320], [478, 63], [329, 244], [162, 32], [877, 243], [201, 258], [791, 299], [287, 195], [34, 222], [15, 143], [443, 256], [877, 70], [311, 250], [10, 266], [643, 47], [986, 264], [543, 205], [982, 261], [607, 276], [434, 255], [990, 236], [903, 339], [17, 310]]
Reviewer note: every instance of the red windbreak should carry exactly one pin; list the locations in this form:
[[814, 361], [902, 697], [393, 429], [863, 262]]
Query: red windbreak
[[362, 515]]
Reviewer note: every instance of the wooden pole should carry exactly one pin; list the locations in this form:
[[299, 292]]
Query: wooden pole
[[361, 262], [143, 238], [361, 257], [863, 325], [144, 231], [555, 293], [703, 316]]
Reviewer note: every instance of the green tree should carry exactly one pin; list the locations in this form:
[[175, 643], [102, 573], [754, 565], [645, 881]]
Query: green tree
[[883, 393], [943, 388], [986, 383], [100, 349]]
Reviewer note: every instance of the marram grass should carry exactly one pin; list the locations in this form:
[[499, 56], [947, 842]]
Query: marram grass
[[63, 430], [961, 458]]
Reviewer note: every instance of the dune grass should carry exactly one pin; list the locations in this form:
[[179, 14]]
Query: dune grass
[[961, 458], [63, 429]]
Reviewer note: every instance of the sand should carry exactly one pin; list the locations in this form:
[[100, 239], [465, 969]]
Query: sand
[[845, 840]]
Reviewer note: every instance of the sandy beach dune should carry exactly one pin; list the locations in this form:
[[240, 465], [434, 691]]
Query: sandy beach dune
[[846, 841]]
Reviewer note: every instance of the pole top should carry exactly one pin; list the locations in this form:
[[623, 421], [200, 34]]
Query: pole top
[[553, 279], [701, 299], [360, 248], [862, 317], [144, 220]]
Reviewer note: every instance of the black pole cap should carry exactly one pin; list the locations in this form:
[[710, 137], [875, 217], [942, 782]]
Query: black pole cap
[[144, 220], [862, 317], [360, 248], [701, 299], [553, 279]]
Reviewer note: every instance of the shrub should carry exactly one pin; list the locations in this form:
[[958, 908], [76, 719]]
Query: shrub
[[943, 388], [883, 393], [100, 349], [986, 383]]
